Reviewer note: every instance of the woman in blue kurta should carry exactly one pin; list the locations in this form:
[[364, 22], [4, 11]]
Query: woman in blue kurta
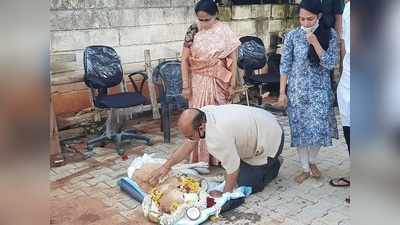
[[309, 53]]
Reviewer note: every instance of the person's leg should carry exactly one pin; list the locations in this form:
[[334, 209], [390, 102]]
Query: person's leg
[[333, 87], [313, 154], [252, 176], [346, 131], [271, 170], [304, 160], [248, 176], [232, 204]]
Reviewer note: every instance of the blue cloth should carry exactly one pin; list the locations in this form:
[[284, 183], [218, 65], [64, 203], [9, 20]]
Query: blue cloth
[[310, 97]]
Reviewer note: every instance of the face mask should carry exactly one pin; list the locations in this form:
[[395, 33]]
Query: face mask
[[311, 29]]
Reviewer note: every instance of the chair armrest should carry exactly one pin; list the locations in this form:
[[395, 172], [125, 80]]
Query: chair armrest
[[138, 73]]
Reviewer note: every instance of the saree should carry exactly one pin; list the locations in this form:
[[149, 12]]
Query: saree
[[210, 71]]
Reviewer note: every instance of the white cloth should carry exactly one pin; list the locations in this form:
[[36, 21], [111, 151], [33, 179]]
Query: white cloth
[[302, 152], [307, 155], [343, 90], [238, 132]]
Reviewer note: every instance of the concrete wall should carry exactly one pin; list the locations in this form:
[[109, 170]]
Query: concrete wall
[[131, 26]]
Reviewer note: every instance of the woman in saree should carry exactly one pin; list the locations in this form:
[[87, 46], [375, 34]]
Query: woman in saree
[[209, 65]]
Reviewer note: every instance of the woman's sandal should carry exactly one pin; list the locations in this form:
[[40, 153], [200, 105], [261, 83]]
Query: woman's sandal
[[314, 171], [302, 177], [339, 182]]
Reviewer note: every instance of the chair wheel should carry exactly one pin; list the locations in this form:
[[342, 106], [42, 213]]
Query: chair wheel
[[88, 154]]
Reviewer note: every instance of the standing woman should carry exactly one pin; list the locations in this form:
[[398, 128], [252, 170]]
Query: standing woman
[[209, 63], [309, 53]]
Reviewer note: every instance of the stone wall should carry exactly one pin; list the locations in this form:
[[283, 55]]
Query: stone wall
[[131, 26]]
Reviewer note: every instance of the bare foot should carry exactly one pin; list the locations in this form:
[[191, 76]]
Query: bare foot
[[302, 177], [314, 171]]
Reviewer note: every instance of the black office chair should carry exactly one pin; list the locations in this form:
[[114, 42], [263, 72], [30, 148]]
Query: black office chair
[[252, 57], [168, 77], [103, 70]]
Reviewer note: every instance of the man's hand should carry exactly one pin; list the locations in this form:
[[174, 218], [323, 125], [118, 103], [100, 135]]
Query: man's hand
[[157, 174]]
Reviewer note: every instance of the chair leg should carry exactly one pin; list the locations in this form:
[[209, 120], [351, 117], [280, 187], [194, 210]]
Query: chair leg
[[260, 95], [161, 119], [118, 142], [166, 114], [92, 142], [247, 97], [132, 131], [96, 140], [168, 124], [126, 136]]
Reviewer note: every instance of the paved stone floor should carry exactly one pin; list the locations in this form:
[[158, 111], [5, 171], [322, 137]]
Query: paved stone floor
[[86, 192]]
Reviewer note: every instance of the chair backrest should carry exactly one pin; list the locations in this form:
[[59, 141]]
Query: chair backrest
[[102, 67], [168, 75], [251, 53]]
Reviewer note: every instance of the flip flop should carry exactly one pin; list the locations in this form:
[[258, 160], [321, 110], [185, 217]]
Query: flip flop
[[334, 182]]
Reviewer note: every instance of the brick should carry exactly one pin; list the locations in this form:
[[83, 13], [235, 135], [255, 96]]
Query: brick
[[262, 11], [182, 3], [225, 13], [332, 218], [293, 11], [67, 4], [99, 4], [130, 204], [242, 12], [243, 27], [151, 34], [143, 3], [112, 183], [62, 20], [279, 11], [276, 25], [98, 179], [87, 19], [74, 40], [78, 19], [58, 192], [102, 171], [152, 16], [123, 17], [157, 3], [63, 58], [130, 3]]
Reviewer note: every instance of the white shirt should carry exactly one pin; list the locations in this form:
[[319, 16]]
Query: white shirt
[[346, 37], [343, 90], [238, 132]]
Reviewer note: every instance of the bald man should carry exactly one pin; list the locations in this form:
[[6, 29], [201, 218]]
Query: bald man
[[246, 140]]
